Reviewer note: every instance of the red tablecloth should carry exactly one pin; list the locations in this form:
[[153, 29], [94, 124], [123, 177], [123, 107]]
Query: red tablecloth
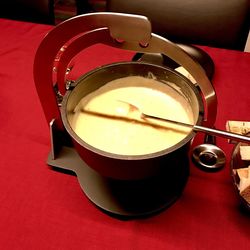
[[44, 209]]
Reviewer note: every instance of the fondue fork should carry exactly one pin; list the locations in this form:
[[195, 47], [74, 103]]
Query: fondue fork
[[197, 128]]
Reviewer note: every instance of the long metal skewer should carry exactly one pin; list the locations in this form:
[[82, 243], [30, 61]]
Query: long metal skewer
[[210, 131]]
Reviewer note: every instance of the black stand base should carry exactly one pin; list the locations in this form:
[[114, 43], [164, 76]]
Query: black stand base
[[122, 198]]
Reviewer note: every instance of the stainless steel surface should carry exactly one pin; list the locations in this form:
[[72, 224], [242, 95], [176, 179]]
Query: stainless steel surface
[[124, 31], [156, 44], [130, 166], [209, 157], [121, 26], [161, 45], [126, 199], [222, 133]]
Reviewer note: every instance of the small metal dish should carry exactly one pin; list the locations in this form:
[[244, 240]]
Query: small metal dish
[[237, 162], [209, 157]]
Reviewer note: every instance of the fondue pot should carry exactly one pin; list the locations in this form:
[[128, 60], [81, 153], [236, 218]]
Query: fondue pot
[[126, 185]]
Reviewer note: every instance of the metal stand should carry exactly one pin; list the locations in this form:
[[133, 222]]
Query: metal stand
[[119, 198]]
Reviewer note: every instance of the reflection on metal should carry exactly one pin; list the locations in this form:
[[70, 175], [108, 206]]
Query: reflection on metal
[[208, 156], [122, 199], [129, 198]]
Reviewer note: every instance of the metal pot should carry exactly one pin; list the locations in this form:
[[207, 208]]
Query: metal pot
[[129, 32], [130, 166]]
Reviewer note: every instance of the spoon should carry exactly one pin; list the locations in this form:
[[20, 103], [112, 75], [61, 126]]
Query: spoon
[[197, 128]]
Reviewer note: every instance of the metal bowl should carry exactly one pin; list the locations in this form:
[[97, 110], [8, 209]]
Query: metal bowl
[[129, 167]]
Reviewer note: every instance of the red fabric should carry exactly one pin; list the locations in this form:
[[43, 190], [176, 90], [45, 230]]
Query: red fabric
[[45, 209]]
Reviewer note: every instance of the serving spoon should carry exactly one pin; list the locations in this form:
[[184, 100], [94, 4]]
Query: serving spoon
[[197, 128]]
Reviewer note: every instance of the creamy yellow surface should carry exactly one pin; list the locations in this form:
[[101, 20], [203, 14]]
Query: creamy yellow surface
[[106, 120]]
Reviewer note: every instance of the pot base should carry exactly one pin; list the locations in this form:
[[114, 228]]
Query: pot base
[[123, 198]]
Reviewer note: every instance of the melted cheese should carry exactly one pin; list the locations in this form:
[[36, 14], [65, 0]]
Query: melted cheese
[[105, 119]]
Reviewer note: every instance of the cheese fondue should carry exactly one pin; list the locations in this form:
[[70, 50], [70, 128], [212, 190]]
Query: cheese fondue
[[105, 119]]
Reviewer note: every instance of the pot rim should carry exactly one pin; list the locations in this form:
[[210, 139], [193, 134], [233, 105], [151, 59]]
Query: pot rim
[[166, 151]]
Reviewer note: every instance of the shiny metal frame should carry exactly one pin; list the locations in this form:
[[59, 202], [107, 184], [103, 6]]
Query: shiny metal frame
[[51, 65], [124, 31]]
